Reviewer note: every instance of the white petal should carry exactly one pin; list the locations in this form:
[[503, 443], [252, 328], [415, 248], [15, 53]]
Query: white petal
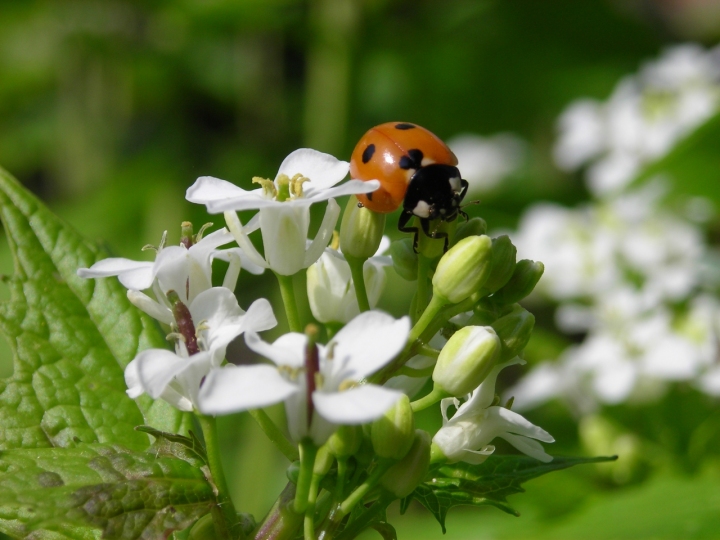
[[351, 187], [475, 457], [132, 380], [208, 189], [284, 230], [288, 350], [243, 261], [323, 170], [324, 235], [144, 303], [259, 316], [255, 200], [367, 343], [217, 306], [132, 274], [358, 405], [517, 424], [241, 237], [156, 368], [239, 388], [172, 268], [528, 446]]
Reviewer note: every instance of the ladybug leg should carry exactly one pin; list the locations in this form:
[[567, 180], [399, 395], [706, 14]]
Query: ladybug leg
[[405, 217], [425, 223]]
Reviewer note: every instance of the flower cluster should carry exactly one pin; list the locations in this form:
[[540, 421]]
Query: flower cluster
[[352, 365], [627, 270], [646, 115]]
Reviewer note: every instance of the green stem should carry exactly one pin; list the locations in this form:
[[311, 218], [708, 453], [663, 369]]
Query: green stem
[[426, 401], [273, 433], [423, 291], [281, 522], [308, 451], [341, 472], [367, 517], [288, 295], [363, 489], [415, 373], [436, 304], [356, 269], [231, 525], [309, 523], [428, 351]]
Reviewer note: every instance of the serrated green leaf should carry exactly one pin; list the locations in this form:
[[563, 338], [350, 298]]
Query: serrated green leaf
[[487, 484], [71, 339], [78, 492]]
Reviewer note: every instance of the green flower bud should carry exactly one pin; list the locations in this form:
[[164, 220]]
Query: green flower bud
[[405, 260], [466, 359], [514, 330], [403, 477], [323, 461], [463, 269], [484, 313], [526, 275], [345, 441], [392, 435], [472, 227], [361, 230], [502, 264]]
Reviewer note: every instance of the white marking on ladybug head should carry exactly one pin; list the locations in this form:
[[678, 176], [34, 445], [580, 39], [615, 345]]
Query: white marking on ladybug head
[[455, 183], [426, 161], [422, 209]]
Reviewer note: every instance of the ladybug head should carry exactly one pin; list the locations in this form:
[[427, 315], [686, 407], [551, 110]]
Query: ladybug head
[[435, 191]]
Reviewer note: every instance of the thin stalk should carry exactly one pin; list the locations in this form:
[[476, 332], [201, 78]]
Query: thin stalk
[[423, 291], [308, 451], [415, 373], [281, 522], [365, 519], [309, 521], [277, 437], [288, 295], [224, 502], [363, 489], [426, 401], [356, 269], [340, 481], [437, 303], [428, 351]]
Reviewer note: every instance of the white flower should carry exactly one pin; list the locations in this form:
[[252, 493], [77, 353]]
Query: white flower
[[362, 347], [176, 377], [306, 176], [331, 290], [188, 272], [466, 436], [646, 115]]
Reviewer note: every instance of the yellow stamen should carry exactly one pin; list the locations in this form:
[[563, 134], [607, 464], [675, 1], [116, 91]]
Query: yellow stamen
[[267, 185]]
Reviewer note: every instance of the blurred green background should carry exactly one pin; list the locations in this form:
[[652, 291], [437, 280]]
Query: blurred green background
[[110, 109]]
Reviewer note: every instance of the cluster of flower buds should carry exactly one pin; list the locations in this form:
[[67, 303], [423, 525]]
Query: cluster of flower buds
[[349, 376]]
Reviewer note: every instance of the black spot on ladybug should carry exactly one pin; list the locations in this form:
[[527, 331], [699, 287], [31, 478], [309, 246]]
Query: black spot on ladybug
[[412, 161], [404, 126], [369, 196], [368, 153]]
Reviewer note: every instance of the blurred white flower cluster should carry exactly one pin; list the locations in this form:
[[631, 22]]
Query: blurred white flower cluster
[[627, 272], [646, 115]]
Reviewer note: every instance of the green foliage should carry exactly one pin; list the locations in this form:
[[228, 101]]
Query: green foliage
[[71, 339], [72, 491], [489, 483]]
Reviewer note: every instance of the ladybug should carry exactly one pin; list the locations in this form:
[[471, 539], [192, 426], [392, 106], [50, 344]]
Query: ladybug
[[416, 170]]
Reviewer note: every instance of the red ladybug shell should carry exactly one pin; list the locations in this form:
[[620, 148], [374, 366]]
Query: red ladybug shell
[[380, 154]]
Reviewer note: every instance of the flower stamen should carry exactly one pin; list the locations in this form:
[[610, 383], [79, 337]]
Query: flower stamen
[[268, 187]]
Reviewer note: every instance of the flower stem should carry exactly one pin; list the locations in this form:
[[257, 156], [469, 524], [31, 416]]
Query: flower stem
[[288, 449], [422, 286], [363, 489], [368, 515], [309, 521], [281, 522], [231, 525], [342, 463], [356, 269], [308, 451], [426, 401], [288, 295], [436, 304], [415, 373]]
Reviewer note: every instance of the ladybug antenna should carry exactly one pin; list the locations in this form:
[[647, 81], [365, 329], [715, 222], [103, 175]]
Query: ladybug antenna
[[463, 213], [468, 204]]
